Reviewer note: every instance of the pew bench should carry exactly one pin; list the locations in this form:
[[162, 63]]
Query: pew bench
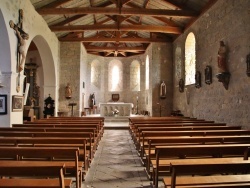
[[90, 145], [199, 167], [227, 181], [59, 182], [195, 151], [62, 154]]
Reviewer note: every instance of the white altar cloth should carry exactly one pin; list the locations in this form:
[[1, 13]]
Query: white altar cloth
[[125, 109]]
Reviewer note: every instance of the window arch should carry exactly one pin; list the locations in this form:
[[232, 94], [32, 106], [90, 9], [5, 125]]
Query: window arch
[[190, 59], [135, 76], [115, 76], [147, 73]]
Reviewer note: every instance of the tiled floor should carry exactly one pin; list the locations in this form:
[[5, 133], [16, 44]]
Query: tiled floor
[[116, 163]]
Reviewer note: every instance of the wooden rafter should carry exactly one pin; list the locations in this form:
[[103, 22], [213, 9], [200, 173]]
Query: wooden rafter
[[117, 11]]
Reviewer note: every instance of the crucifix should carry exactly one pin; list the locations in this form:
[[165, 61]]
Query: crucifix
[[21, 47]]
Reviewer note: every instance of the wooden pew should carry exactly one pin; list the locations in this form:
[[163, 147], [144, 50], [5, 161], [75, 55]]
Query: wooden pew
[[91, 145], [203, 167], [140, 136], [149, 150], [192, 133], [50, 142], [98, 127], [135, 130], [99, 130], [197, 151], [44, 153], [37, 183], [228, 181]]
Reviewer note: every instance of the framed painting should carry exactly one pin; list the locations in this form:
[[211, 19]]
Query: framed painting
[[3, 104], [17, 103], [115, 97], [208, 75]]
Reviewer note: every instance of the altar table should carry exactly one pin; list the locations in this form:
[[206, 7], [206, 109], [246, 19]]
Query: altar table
[[125, 109]]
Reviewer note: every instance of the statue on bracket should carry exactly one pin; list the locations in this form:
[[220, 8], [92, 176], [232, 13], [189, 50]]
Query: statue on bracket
[[181, 85], [163, 90], [68, 91], [223, 75]]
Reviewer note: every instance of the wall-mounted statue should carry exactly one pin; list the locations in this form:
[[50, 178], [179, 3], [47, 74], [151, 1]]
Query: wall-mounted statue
[[68, 92], [222, 62], [181, 85], [91, 100], [163, 90], [22, 36], [223, 75]]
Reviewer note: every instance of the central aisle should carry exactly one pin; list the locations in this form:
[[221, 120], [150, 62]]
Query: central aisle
[[116, 163]]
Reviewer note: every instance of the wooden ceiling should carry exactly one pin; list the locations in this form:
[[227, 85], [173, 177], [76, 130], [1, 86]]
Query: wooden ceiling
[[119, 28]]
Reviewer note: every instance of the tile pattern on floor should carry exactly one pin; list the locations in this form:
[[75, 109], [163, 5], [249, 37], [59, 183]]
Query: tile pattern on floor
[[116, 163]]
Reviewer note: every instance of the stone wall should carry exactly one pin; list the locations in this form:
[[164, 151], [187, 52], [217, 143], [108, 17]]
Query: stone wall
[[226, 21], [70, 73]]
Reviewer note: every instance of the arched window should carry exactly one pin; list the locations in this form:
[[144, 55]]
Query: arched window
[[135, 76], [190, 59], [147, 73], [115, 76]]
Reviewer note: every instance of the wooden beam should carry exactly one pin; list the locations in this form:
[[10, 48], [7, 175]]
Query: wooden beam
[[110, 27], [54, 4], [117, 11], [121, 40], [108, 49]]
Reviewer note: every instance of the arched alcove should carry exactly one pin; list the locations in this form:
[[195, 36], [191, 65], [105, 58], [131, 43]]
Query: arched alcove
[[46, 74]]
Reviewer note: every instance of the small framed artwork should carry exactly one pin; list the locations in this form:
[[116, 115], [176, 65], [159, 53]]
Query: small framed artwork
[[3, 104], [208, 75], [17, 103], [115, 97]]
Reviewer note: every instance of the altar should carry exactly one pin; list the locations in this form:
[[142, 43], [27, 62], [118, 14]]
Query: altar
[[107, 109]]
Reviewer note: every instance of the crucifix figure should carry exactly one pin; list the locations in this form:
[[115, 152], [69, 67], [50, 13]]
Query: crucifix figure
[[22, 36]]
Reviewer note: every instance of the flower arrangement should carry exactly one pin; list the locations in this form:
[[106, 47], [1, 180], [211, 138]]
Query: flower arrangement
[[115, 112]]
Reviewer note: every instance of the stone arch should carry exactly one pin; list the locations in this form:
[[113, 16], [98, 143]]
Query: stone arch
[[48, 72]]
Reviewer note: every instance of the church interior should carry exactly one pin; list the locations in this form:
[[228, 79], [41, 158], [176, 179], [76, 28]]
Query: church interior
[[123, 61]]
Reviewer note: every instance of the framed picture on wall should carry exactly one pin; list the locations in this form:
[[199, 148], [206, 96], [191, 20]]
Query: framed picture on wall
[[17, 103], [3, 104], [115, 97]]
